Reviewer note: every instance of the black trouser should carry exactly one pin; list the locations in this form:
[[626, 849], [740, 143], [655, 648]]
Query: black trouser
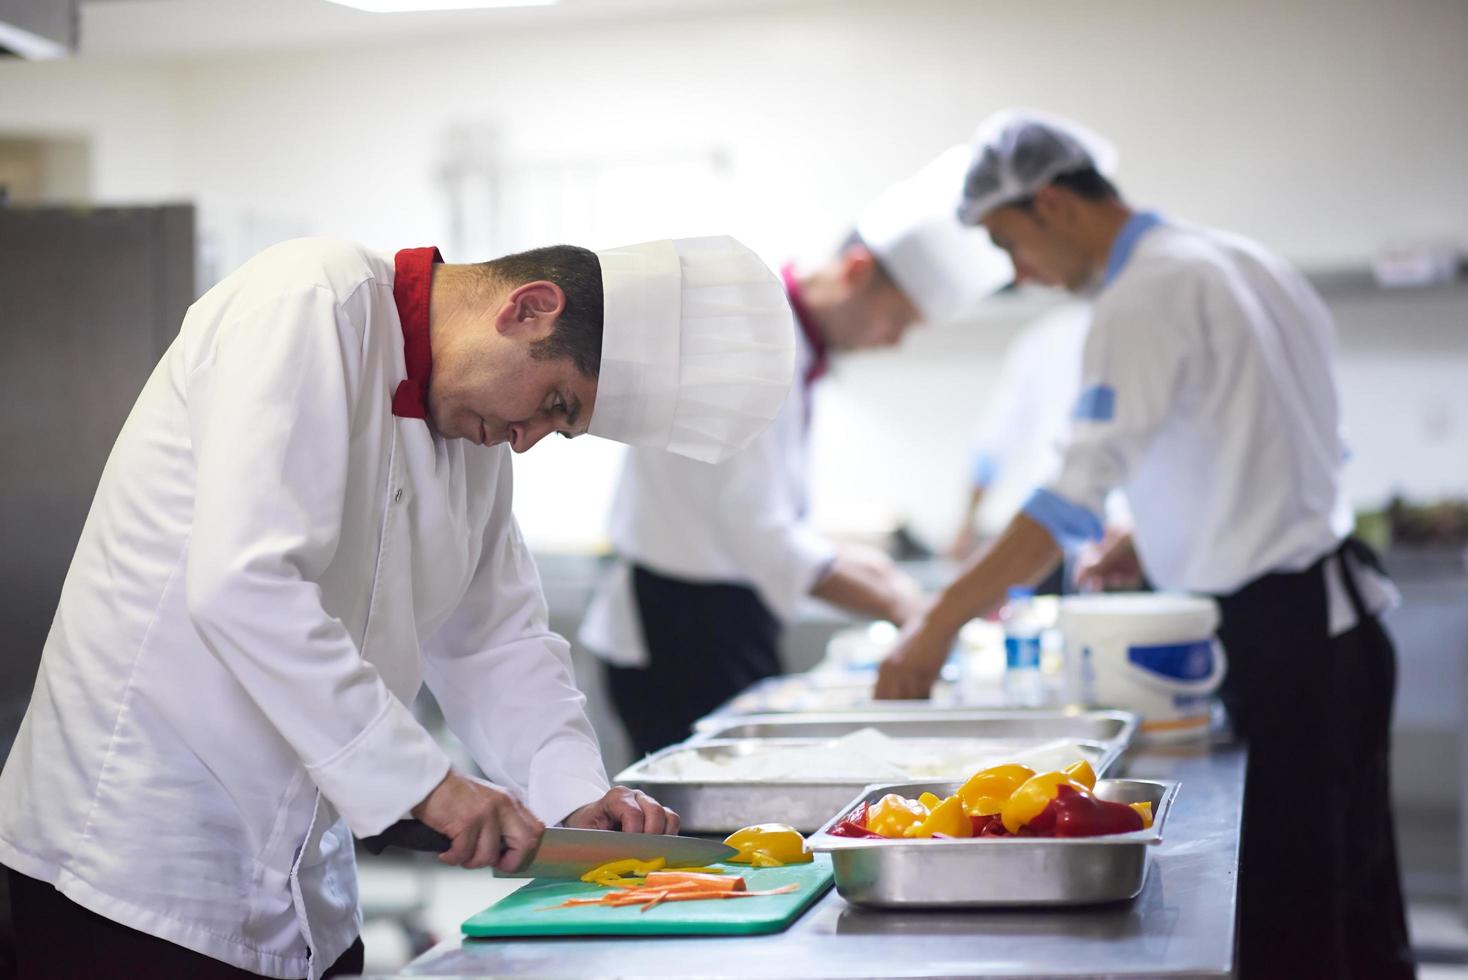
[[1319, 889], [55, 938], [705, 644]]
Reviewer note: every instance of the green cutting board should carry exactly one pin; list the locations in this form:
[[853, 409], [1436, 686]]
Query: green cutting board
[[527, 912]]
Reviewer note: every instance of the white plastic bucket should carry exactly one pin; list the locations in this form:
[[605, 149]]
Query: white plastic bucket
[[1152, 653]]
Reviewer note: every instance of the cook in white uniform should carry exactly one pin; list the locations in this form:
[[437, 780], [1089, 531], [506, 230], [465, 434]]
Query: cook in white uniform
[[1023, 433], [1207, 392], [713, 561], [1026, 418], [307, 515]]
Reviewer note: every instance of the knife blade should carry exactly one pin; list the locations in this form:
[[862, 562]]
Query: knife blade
[[568, 852]]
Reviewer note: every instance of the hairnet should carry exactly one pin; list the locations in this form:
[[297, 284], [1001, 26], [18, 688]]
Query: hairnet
[[1018, 151]]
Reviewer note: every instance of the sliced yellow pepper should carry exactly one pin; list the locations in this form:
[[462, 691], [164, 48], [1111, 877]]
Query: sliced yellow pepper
[[947, 818], [1033, 796], [987, 789], [1145, 809], [1082, 773], [893, 815], [620, 869], [930, 800], [768, 845]]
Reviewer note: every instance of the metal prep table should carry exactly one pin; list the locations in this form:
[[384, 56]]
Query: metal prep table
[[1181, 925]]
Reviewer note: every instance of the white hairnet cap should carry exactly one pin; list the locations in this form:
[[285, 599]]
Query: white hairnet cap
[[698, 346], [945, 268], [1018, 151]]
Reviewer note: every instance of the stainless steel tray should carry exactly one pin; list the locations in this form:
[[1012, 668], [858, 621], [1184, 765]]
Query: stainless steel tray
[[1100, 725], [720, 805], [996, 871], [819, 693]]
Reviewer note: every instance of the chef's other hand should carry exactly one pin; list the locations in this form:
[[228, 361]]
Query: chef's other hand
[[1110, 564], [487, 825], [909, 670], [863, 580], [630, 810]]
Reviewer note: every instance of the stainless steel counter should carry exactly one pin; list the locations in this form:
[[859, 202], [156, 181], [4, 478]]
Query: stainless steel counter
[[1181, 925]]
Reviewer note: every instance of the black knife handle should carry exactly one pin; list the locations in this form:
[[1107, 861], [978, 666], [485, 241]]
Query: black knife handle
[[414, 835]]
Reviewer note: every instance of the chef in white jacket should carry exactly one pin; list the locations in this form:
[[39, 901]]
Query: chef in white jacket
[[307, 515], [712, 562], [1026, 417], [1208, 393]]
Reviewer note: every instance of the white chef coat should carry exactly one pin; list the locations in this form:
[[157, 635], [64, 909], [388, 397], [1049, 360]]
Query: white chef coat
[[741, 522], [1208, 394], [272, 565], [1027, 415]]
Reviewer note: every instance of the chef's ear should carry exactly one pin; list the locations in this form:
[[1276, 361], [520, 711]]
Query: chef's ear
[[1052, 203], [531, 310], [858, 265]]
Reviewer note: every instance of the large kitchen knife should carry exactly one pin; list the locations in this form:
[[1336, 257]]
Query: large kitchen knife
[[566, 852]]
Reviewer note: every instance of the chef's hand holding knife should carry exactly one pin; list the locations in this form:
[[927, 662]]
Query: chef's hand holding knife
[[489, 827]]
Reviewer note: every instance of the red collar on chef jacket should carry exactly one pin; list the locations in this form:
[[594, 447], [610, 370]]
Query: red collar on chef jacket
[[822, 359], [412, 280]]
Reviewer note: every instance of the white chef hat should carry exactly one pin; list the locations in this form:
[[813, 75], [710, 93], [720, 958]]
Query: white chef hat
[[698, 346], [1017, 151], [942, 266]]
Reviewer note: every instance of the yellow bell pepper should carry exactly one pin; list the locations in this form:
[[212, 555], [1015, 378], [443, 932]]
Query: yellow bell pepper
[[768, 845], [947, 818], [1145, 809], [930, 800], [620, 869], [987, 789], [1082, 773], [893, 815], [1033, 796]]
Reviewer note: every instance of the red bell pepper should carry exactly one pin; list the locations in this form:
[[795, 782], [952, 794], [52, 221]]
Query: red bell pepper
[[854, 824]]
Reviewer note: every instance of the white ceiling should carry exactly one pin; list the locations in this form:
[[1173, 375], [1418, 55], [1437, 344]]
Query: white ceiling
[[202, 28]]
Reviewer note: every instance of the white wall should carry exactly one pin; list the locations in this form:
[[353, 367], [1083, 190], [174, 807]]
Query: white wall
[[1402, 366], [130, 114], [1325, 128]]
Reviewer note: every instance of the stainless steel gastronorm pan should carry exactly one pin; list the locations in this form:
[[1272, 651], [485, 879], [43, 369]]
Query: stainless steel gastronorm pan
[[1097, 726], [996, 871], [717, 806], [802, 693]]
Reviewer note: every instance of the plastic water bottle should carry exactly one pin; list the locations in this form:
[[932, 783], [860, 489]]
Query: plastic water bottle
[[1023, 685]]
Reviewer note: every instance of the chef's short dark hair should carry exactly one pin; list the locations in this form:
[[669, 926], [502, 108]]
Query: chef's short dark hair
[[1085, 183], [578, 272]]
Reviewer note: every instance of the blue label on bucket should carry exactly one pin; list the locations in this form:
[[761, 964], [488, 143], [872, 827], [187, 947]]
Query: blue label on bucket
[[1180, 661]]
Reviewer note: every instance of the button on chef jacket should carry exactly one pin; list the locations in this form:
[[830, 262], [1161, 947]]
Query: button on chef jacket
[[1208, 394], [741, 521], [273, 563]]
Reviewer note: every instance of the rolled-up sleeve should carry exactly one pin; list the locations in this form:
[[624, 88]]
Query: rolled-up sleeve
[[505, 681], [270, 413], [1131, 372]]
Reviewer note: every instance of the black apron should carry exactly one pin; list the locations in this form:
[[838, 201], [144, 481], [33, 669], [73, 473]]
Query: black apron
[[1319, 887], [705, 643]]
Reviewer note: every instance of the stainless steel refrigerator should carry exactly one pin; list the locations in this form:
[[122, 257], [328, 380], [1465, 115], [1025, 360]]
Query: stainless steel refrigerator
[[89, 300]]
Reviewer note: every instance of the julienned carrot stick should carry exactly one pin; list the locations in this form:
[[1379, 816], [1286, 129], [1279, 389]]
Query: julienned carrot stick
[[722, 883], [647, 897], [684, 897]]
